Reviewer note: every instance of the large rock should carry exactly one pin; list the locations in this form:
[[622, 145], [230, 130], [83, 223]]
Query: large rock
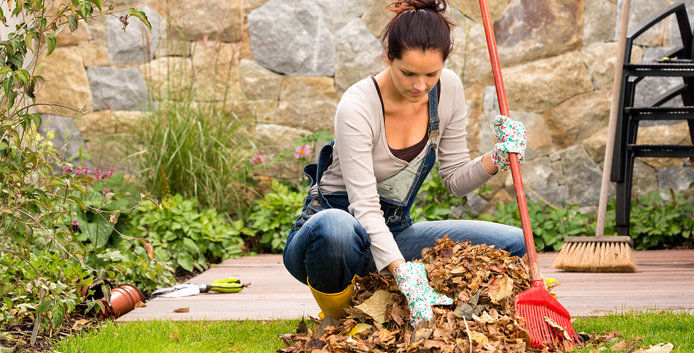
[[540, 85], [216, 70], [476, 117], [539, 142], [651, 88], [469, 57], [258, 82], [292, 38], [376, 16], [116, 88], [250, 5], [264, 111], [67, 138], [275, 139], [93, 54], [677, 179], [307, 102], [136, 44], [80, 35], [600, 59], [676, 134], [541, 175], [66, 83], [533, 29], [102, 132], [471, 8], [338, 13], [566, 176], [200, 19], [595, 146], [599, 21], [104, 124], [168, 76], [640, 11], [578, 118], [359, 54], [645, 179]]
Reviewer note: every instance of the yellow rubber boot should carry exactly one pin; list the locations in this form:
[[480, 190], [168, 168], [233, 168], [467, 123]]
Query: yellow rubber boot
[[333, 304]]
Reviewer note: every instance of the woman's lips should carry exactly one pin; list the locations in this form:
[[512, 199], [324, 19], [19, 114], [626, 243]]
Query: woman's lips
[[415, 94]]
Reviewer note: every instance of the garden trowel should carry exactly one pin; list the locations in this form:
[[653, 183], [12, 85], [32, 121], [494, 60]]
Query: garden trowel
[[227, 285]]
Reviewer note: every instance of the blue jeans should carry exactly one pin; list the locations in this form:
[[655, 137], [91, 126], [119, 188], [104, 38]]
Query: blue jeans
[[332, 247]]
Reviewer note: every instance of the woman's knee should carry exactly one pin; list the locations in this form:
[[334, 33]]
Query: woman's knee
[[334, 228], [515, 243]]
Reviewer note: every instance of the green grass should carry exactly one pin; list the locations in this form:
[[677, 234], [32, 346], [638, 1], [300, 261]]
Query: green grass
[[179, 336], [660, 327], [261, 336]]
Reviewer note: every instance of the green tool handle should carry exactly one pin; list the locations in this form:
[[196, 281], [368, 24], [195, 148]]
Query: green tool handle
[[227, 285]]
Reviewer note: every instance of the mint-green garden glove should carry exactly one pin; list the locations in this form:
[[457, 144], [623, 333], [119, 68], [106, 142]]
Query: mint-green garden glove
[[511, 137], [413, 283]]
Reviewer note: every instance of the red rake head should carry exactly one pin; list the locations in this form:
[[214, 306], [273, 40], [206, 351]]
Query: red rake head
[[536, 304]]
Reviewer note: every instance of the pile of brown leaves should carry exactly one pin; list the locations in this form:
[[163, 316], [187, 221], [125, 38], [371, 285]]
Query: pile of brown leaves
[[482, 280]]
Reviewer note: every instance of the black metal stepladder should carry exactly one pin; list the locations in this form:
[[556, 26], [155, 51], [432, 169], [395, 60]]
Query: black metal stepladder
[[678, 63]]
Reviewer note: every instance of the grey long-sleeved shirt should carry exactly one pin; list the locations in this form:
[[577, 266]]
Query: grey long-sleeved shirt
[[361, 157]]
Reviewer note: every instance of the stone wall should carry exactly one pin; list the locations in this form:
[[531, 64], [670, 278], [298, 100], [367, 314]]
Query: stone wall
[[289, 61]]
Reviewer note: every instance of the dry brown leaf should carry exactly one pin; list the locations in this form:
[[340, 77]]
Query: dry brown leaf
[[148, 248], [377, 305], [501, 289], [660, 348], [359, 328], [79, 324], [479, 338], [182, 310], [558, 328]]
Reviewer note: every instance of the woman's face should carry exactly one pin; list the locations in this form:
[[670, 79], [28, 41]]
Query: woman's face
[[416, 73]]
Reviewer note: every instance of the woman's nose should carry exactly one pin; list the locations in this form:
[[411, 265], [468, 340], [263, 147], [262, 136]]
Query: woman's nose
[[420, 85]]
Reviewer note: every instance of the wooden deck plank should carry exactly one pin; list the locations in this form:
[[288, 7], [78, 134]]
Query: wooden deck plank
[[664, 281]]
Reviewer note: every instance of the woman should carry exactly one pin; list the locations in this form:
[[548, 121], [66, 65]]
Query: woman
[[389, 130]]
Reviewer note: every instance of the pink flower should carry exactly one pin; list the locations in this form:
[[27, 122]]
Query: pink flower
[[258, 158], [75, 223], [111, 171], [85, 170], [97, 171], [105, 191], [67, 170], [302, 151]]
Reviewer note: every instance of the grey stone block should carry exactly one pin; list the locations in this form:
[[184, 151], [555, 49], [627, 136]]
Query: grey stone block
[[292, 38], [117, 88], [136, 44]]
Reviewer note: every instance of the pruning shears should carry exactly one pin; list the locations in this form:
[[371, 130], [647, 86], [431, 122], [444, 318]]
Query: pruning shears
[[226, 285]]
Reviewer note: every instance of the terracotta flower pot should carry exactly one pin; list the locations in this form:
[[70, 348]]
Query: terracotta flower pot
[[123, 299]]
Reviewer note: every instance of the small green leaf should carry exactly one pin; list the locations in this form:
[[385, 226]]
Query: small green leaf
[[45, 305], [133, 12], [51, 41]]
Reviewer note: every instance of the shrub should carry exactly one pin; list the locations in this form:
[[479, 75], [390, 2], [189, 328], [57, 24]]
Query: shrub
[[184, 237]]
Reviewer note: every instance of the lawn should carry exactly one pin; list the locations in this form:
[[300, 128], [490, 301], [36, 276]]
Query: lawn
[[261, 336]]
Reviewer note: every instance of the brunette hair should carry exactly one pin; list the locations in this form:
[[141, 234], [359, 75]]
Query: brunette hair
[[418, 24]]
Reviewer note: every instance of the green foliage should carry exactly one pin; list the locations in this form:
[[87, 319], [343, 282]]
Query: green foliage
[[41, 259], [549, 225], [272, 217], [655, 223], [184, 237], [434, 202], [195, 146]]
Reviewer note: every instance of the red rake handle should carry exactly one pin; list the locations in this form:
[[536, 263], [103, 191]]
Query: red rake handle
[[515, 165]]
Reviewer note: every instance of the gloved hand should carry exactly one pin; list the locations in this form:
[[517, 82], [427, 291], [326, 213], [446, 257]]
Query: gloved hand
[[413, 283], [511, 137]]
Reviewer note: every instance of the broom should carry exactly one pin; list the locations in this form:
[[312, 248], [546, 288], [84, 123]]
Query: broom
[[535, 306], [600, 253]]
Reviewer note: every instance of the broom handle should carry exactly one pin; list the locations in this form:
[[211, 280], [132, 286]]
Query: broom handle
[[612, 126], [513, 157]]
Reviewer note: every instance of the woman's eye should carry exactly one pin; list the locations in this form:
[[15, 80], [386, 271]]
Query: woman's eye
[[408, 74], [432, 75]]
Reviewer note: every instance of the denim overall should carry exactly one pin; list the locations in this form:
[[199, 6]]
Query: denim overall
[[328, 246]]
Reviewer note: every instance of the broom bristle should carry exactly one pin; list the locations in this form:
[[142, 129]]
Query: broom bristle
[[601, 254]]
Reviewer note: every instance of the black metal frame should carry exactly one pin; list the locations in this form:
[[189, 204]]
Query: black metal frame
[[625, 147]]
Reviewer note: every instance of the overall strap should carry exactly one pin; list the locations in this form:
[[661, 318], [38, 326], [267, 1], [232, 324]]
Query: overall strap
[[433, 128], [325, 159]]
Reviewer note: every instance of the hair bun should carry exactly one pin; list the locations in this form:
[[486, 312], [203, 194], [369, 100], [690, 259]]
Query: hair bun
[[431, 5]]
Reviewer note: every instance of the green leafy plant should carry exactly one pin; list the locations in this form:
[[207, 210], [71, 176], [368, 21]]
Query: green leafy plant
[[194, 143], [272, 217], [434, 202], [184, 237], [40, 259], [657, 223]]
